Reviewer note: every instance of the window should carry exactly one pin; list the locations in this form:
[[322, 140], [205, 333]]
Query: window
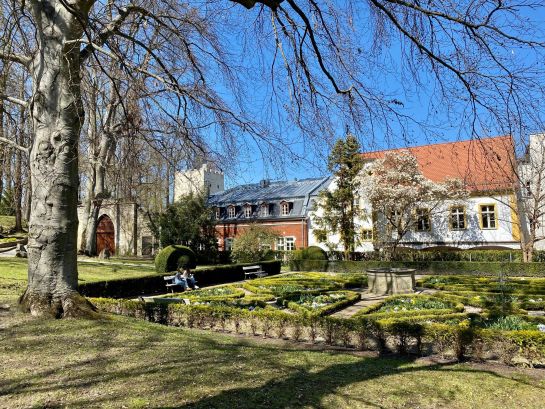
[[228, 244], [264, 210], [458, 218], [248, 211], [217, 213], [367, 235], [488, 216], [423, 220], [231, 211], [290, 243], [285, 243], [395, 216], [284, 208]]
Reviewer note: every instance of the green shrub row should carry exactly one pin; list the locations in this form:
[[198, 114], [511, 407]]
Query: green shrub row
[[426, 267], [291, 303], [444, 255], [155, 284], [450, 306], [401, 335]]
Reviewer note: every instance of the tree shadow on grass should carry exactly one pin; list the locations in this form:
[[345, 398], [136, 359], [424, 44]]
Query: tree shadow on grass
[[165, 365]]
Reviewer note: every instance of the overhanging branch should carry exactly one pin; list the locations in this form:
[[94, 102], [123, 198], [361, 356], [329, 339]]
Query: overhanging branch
[[21, 59], [9, 142], [14, 100]]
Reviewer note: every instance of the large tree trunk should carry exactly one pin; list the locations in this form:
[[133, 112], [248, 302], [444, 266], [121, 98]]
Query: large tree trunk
[[57, 117]]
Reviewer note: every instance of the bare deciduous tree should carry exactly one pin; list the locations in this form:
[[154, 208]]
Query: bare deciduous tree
[[319, 69]]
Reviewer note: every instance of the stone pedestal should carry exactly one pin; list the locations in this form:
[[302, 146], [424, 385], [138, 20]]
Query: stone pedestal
[[386, 281]]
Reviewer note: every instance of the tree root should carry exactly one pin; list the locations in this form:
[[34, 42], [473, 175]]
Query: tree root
[[70, 305]]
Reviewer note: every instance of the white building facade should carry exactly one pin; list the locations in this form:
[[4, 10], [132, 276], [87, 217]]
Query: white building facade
[[487, 219]]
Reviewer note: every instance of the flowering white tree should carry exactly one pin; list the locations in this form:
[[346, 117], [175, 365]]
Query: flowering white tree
[[402, 198]]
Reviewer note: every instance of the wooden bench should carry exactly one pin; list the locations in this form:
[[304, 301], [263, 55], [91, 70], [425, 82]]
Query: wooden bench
[[251, 271], [170, 283]]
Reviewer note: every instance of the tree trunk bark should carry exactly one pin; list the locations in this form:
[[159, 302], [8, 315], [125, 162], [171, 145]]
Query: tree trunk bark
[[57, 116]]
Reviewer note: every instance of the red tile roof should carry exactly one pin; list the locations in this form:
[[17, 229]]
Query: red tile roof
[[483, 164]]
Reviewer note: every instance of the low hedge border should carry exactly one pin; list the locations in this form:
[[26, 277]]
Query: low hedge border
[[427, 267], [373, 309], [403, 336], [351, 298], [155, 284], [201, 295]]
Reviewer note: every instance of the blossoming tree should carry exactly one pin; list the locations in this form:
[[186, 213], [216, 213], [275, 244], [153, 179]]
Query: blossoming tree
[[402, 198]]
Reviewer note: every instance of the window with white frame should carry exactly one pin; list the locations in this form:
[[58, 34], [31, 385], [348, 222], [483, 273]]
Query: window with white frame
[[488, 216], [285, 243], [457, 218], [228, 244], [231, 211], [423, 222], [290, 243], [264, 210], [367, 235], [248, 211], [217, 213], [284, 208]]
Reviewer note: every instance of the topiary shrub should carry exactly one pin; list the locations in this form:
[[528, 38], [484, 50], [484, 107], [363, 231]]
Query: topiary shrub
[[314, 253], [172, 257]]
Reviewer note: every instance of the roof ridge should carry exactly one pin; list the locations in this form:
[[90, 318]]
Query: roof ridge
[[488, 138]]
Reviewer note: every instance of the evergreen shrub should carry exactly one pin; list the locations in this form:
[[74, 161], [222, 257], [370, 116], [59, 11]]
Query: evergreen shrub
[[314, 253], [155, 284], [173, 257]]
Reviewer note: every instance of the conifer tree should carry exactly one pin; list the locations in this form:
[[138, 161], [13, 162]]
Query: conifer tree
[[338, 208]]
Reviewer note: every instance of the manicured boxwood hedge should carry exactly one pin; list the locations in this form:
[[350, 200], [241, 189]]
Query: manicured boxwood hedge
[[450, 335], [172, 257], [426, 267], [155, 284]]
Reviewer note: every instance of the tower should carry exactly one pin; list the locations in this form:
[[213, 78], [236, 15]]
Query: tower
[[207, 179]]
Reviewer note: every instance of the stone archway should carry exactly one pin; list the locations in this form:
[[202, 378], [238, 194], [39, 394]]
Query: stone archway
[[105, 235]]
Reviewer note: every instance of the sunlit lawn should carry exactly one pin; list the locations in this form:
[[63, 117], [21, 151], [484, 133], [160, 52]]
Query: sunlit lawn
[[120, 362], [13, 273]]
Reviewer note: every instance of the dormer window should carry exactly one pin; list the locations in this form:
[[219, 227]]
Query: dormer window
[[247, 210], [217, 213], [231, 211], [264, 210], [285, 208]]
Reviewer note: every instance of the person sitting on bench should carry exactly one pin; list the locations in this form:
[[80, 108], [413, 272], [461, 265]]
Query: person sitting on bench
[[180, 280], [188, 277]]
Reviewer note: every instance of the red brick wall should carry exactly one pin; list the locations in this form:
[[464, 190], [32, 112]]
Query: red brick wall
[[293, 228]]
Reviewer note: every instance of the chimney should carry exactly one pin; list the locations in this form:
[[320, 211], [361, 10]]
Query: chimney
[[264, 183]]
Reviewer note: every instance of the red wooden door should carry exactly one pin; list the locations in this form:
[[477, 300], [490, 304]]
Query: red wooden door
[[105, 235]]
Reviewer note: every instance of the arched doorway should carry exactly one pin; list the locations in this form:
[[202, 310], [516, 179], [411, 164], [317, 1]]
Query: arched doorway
[[105, 235]]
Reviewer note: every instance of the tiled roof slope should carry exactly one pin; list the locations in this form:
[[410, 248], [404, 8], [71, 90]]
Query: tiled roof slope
[[298, 192], [483, 164]]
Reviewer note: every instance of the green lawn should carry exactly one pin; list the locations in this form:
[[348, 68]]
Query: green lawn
[[7, 222], [13, 273], [120, 362]]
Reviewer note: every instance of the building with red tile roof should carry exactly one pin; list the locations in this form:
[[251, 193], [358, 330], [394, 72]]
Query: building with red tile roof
[[486, 164]]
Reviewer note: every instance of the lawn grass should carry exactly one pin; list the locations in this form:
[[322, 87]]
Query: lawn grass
[[7, 222], [13, 273], [121, 362]]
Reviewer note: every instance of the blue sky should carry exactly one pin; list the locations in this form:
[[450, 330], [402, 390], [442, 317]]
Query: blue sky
[[431, 120]]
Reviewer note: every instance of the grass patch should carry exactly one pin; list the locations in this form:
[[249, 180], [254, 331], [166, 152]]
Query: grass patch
[[13, 273], [122, 362]]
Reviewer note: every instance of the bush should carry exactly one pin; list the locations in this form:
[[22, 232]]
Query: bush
[[427, 267], [155, 284], [172, 257], [449, 334], [314, 253]]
